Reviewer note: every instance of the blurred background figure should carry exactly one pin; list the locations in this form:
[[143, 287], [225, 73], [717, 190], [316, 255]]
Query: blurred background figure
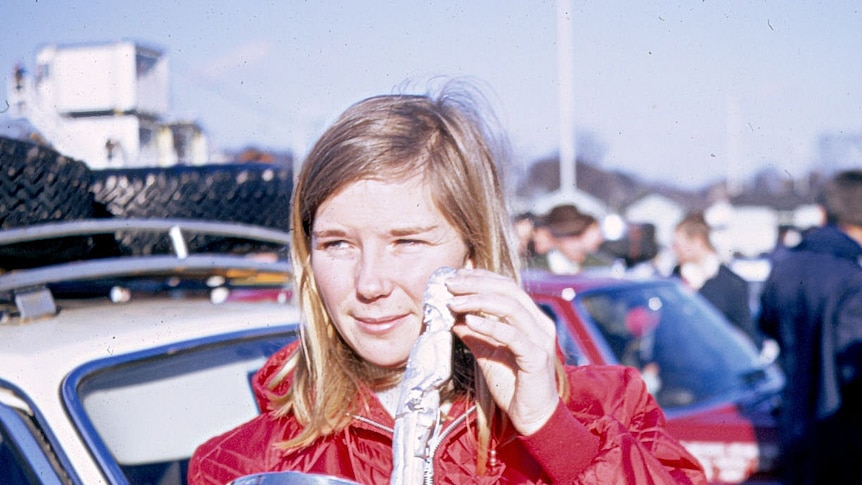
[[700, 267], [812, 306], [576, 238], [788, 238], [540, 245], [639, 252], [524, 225]]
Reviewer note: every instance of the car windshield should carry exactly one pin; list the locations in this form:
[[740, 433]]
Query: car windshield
[[687, 352], [142, 413]]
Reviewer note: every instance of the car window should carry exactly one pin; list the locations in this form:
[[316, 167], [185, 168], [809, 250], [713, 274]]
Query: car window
[[22, 460], [572, 353], [686, 351], [143, 415]]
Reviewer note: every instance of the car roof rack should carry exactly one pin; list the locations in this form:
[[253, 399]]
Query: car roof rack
[[29, 287], [90, 227]]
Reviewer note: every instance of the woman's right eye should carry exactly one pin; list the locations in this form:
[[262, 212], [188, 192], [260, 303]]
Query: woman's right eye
[[320, 244], [334, 244]]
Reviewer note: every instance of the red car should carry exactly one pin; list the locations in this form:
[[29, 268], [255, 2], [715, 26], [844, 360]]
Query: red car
[[719, 397]]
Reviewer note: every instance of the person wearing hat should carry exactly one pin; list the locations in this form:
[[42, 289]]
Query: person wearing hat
[[577, 237]]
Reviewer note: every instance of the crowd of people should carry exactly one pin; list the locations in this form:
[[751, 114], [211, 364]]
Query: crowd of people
[[569, 241], [810, 307]]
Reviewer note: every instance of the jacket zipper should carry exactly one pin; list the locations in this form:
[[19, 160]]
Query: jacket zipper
[[432, 445], [373, 423], [435, 441]]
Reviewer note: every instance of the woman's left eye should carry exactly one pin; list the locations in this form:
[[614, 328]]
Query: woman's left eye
[[409, 242]]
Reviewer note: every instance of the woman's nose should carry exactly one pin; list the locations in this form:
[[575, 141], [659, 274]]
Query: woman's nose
[[374, 275]]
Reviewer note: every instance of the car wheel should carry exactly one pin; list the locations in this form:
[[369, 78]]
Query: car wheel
[[257, 194], [38, 185]]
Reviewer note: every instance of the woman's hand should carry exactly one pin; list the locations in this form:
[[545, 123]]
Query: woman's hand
[[514, 343]]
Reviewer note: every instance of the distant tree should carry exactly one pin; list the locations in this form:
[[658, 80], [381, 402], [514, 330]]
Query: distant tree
[[770, 180], [542, 177], [254, 155]]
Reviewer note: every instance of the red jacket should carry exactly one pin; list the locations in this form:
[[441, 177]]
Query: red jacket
[[609, 431]]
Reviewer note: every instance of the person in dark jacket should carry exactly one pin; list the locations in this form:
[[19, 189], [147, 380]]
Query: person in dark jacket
[[397, 187], [700, 267], [812, 306]]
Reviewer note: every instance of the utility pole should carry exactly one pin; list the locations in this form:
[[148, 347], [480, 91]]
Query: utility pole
[[565, 77]]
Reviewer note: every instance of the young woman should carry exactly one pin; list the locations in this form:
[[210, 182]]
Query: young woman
[[396, 188]]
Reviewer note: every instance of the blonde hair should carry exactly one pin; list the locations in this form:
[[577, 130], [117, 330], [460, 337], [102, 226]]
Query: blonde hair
[[443, 139], [694, 226]]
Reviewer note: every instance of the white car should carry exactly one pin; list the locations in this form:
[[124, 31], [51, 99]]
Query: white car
[[114, 370]]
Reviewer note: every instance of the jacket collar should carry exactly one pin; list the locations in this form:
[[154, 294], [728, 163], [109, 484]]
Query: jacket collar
[[831, 240], [377, 414]]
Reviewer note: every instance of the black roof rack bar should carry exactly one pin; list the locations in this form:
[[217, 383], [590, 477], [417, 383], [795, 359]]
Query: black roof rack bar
[[87, 227], [136, 266]]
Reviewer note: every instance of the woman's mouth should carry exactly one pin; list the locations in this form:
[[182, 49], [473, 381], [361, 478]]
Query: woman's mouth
[[380, 325]]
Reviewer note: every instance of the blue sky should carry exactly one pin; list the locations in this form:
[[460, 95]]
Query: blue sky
[[669, 90]]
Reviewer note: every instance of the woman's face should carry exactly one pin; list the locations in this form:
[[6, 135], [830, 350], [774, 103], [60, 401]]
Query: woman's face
[[374, 245]]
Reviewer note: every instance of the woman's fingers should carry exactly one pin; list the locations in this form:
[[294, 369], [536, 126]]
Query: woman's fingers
[[520, 376], [514, 343], [484, 292]]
